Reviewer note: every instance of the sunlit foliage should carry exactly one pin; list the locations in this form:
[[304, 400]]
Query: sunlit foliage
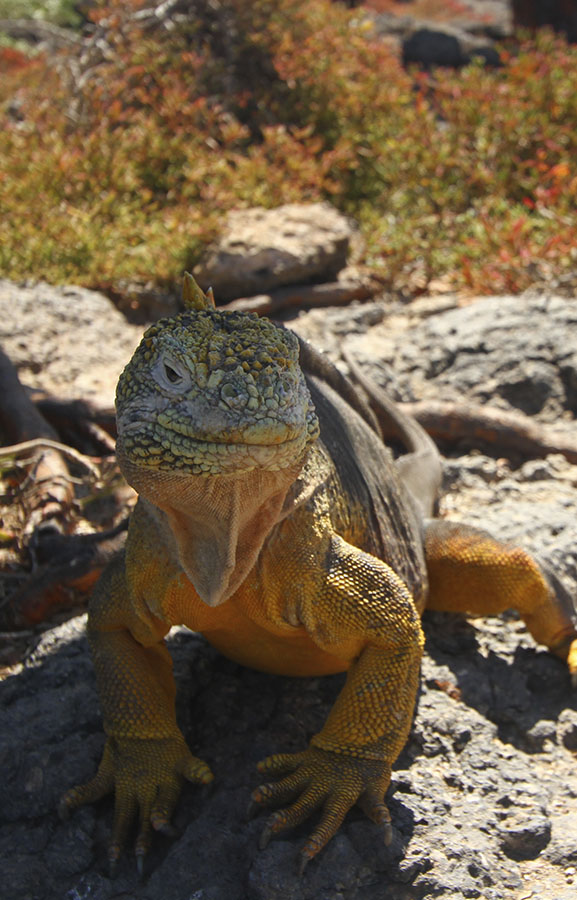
[[125, 173]]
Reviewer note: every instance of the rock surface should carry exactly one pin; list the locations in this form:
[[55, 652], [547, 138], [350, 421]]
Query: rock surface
[[516, 352], [451, 38], [262, 249], [484, 796], [70, 342]]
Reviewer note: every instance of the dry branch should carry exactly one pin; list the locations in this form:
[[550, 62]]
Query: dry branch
[[69, 564], [508, 432], [37, 32], [21, 422], [334, 293], [15, 450], [91, 429]]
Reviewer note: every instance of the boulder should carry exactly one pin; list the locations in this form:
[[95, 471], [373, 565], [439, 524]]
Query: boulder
[[442, 45], [518, 353], [67, 341], [263, 249], [561, 15]]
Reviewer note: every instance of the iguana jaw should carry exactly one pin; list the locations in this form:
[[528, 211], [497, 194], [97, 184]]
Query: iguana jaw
[[152, 446]]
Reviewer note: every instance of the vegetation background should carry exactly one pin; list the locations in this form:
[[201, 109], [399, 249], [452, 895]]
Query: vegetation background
[[119, 164]]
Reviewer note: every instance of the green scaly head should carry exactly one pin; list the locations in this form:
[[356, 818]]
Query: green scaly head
[[211, 392]]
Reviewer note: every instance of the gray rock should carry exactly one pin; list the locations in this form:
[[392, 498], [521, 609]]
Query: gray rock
[[567, 730], [470, 33], [264, 249], [70, 342], [433, 47], [525, 837], [544, 730], [516, 352], [442, 45]]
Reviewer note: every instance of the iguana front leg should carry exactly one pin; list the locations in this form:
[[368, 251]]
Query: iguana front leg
[[361, 606], [145, 758]]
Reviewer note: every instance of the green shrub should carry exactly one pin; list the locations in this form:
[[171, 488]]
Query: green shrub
[[469, 175], [60, 12]]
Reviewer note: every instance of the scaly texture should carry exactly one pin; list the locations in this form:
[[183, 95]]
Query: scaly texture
[[272, 518], [209, 392]]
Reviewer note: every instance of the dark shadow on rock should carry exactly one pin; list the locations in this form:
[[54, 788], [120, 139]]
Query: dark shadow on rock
[[232, 717], [522, 690]]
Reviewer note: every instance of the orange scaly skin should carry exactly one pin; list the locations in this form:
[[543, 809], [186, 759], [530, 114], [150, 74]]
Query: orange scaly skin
[[292, 553]]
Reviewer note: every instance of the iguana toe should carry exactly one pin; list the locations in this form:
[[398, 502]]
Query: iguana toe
[[93, 790], [294, 815], [114, 853], [143, 841], [318, 778], [274, 793], [281, 763], [140, 863], [164, 827], [332, 818]]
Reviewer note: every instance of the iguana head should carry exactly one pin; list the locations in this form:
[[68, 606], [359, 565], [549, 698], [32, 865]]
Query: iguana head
[[210, 392]]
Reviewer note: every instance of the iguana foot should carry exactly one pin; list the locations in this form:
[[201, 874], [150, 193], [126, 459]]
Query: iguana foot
[[146, 777], [319, 778]]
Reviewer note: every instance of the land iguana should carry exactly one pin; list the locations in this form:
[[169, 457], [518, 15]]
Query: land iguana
[[273, 519]]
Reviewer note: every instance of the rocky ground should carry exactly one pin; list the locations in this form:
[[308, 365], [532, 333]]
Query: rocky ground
[[484, 796]]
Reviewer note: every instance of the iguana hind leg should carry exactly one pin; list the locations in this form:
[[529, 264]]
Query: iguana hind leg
[[470, 571]]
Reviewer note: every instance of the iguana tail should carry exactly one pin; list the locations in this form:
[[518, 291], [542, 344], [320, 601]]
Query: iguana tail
[[313, 362], [420, 467]]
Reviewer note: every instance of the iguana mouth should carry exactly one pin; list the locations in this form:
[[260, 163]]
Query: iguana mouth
[[264, 433], [145, 425], [164, 449]]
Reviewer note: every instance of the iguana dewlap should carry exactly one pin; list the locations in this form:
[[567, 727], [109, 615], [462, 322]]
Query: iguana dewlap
[[272, 519]]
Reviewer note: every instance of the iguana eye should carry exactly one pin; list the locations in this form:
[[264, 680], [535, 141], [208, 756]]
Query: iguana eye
[[172, 374]]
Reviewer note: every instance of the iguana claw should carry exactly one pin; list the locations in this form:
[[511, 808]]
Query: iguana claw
[[265, 837], [140, 865], [252, 809], [387, 834], [113, 858], [165, 828], [303, 863]]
